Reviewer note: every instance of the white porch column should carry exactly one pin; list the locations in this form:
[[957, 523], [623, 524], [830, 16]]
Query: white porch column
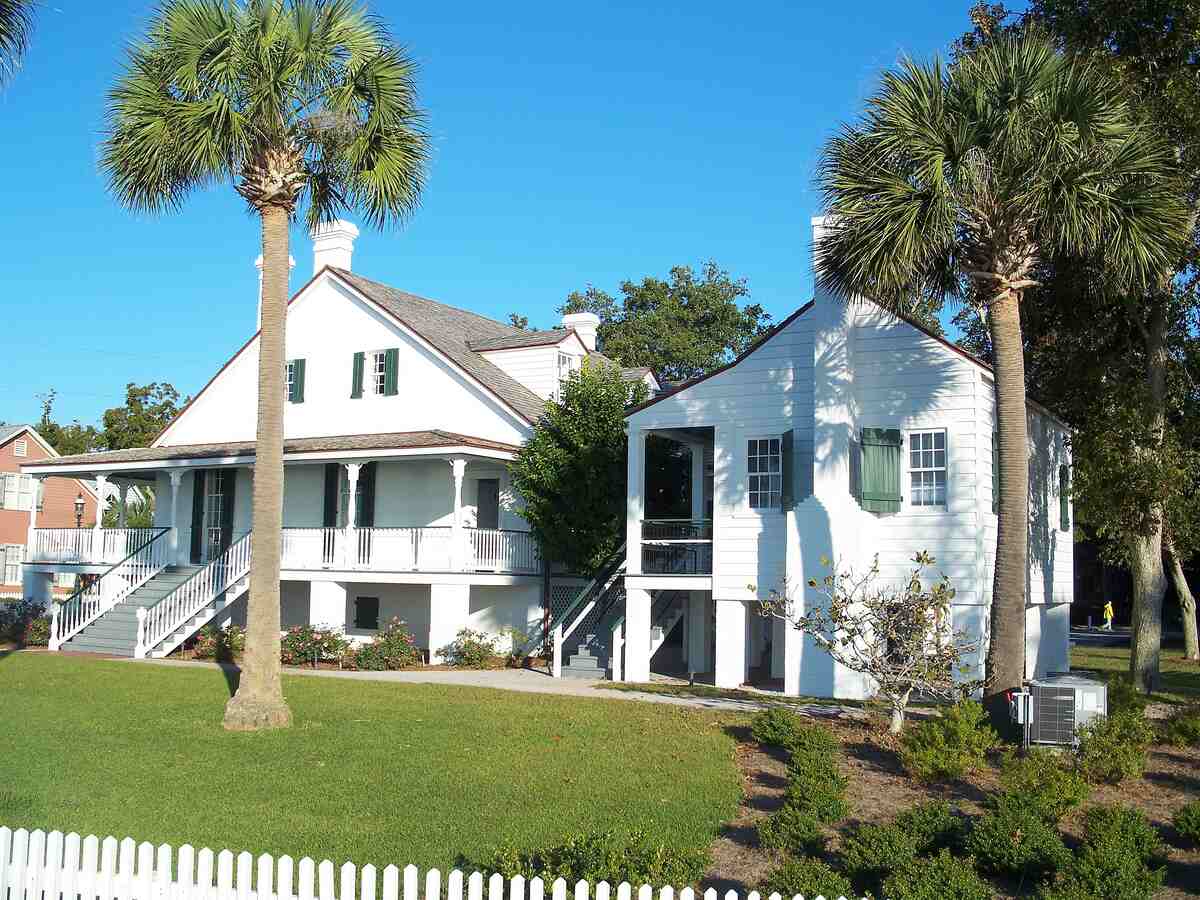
[[327, 604], [697, 632], [122, 510], [31, 536], [637, 634], [176, 476], [633, 512], [730, 666], [350, 550], [449, 613], [97, 536], [793, 639], [458, 554]]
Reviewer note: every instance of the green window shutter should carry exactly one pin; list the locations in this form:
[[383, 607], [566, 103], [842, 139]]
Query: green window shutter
[[391, 370], [788, 469], [995, 473], [881, 449], [1064, 498], [297, 381], [356, 377]]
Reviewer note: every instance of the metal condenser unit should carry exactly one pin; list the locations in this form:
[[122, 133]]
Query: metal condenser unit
[[1054, 707]]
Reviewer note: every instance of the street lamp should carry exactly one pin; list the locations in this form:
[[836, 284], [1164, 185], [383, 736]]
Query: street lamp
[[79, 510]]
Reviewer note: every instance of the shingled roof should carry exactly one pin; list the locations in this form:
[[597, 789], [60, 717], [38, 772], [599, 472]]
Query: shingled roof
[[453, 332], [398, 440], [522, 339]]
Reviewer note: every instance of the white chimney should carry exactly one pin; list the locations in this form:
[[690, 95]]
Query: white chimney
[[585, 324], [258, 264], [333, 244]]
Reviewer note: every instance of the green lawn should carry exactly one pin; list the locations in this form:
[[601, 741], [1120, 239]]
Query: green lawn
[[371, 772], [1180, 677]]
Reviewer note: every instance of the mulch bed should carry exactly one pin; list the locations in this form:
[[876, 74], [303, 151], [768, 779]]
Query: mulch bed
[[879, 789]]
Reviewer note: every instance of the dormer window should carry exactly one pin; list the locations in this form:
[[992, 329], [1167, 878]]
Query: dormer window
[[566, 365]]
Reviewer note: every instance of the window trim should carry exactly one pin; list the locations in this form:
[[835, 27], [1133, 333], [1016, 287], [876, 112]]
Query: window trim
[[777, 495], [906, 471], [289, 380]]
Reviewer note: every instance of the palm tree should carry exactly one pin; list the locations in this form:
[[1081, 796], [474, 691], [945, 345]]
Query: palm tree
[[301, 105], [16, 23], [957, 183]]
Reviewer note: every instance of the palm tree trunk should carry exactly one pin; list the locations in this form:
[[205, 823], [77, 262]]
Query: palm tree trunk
[[1006, 649], [259, 701], [1145, 551], [1187, 600]]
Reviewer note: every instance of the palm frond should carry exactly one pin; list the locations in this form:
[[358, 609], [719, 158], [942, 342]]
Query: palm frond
[[16, 24]]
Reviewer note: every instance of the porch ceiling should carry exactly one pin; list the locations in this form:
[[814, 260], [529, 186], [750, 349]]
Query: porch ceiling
[[351, 446]]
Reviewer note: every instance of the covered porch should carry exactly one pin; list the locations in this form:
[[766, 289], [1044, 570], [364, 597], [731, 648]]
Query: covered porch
[[423, 502]]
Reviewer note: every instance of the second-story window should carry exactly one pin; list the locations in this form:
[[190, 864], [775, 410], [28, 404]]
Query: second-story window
[[16, 491], [295, 381], [764, 473], [375, 373], [378, 379], [927, 468]]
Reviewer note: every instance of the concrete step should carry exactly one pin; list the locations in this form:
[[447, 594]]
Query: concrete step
[[101, 645]]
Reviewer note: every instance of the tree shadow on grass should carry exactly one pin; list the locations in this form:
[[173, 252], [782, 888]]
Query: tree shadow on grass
[[233, 676]]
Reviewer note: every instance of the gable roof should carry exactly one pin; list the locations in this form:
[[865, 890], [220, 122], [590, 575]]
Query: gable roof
[[950, 345], [8, 432], [451, 331]]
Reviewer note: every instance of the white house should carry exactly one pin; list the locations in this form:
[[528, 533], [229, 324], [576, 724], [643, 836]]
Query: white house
[[844, 434], [402, 416]]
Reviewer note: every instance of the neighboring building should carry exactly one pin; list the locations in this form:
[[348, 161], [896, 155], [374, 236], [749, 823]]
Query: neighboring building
[[20, 444], [402, 416], [847, 433]]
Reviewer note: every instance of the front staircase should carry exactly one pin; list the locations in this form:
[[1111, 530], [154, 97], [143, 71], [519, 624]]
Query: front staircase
[[115, 632]]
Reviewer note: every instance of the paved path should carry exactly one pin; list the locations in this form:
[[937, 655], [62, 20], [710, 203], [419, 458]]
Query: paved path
[[538, 682]]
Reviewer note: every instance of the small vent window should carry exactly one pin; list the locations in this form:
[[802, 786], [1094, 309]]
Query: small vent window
[[21, 448]]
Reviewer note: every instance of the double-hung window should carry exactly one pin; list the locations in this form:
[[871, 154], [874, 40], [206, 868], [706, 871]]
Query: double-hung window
[[927, 468], [295, 381], [375, 373], [764, 473], [566, 365], [378, 379]]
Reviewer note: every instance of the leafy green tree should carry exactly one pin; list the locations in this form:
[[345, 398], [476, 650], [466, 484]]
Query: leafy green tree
[[138, 514], [66, 440], [148, 409], [303, 106], [571, 472], [682, 327], [958, 182], [16, 24], [518, 321]]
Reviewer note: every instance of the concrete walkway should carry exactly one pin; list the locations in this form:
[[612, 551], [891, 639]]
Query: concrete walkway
[[534, 681]]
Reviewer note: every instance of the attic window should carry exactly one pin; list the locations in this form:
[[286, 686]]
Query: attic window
[[21, 447]]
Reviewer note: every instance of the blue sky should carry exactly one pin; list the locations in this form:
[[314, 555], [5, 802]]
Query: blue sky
[[572, 144]]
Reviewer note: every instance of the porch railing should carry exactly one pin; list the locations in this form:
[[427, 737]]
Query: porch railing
[[102, 592], [79, 545], [677, 546], [428, 549]]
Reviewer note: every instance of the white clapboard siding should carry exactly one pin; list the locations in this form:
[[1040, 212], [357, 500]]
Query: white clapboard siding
[[36, 865]]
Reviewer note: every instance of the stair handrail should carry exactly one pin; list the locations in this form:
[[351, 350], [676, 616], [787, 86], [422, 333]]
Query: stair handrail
[[155, 623], [96, 597], [583, 604]]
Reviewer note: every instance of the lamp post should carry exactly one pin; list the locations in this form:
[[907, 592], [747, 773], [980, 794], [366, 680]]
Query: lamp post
[[79, 510]]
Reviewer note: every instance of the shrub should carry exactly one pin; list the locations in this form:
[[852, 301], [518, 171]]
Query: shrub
[[933, 826], [221, 644], [872, 852], [792, 829], [808, 877], [816, 785], [774, 726], [304, 645], [604, 856], [1187, 821], [949, 745], [394, 647], [16, 619], [1125, 830], [471, 650], [941, 878], [1182, 729], [1043, 783], [1123, 696], [37, 632], [1121, 859], [1013, 839], [1113, 748]]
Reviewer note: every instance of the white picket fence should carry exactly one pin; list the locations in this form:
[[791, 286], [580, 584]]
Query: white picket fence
[[35, 865]]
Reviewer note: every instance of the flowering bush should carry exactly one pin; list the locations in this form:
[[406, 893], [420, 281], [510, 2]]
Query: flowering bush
[[471, 650], [15, 619], [307, 645], [221, 644], [393, 648]]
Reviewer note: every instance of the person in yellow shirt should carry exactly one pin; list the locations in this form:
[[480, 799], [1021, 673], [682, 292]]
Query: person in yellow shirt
[[1108, 615]]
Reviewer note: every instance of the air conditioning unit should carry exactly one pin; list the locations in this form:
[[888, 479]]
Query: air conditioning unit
[[1054, 707]]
